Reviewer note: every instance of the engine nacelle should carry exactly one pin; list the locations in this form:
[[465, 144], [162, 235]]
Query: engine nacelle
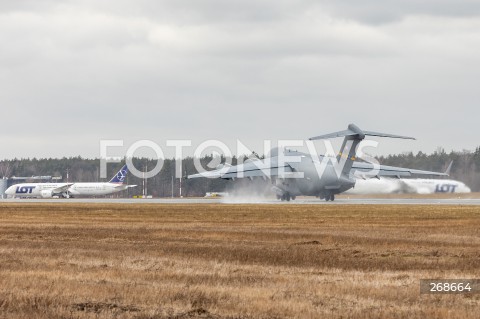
[[46, 194]]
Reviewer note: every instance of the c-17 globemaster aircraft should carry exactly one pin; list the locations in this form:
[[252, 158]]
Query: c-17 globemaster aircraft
[[318, 176], [68, 190]]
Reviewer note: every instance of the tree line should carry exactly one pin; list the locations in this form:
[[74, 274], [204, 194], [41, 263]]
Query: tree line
[[466, 168], [88, 170]]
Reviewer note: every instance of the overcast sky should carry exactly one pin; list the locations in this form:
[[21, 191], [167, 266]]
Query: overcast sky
[[75, 72]]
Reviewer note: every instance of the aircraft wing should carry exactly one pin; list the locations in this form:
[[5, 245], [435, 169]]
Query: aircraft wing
[[257, 168], [361, 169], [62, 189]]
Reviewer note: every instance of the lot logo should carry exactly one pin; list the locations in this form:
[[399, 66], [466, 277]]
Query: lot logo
[[121, 175], [445, 188], [24, 189]]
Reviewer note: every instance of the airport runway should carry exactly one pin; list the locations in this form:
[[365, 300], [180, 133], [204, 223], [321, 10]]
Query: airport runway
[[302, 201]]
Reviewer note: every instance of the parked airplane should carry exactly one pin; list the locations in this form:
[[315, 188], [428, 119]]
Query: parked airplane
[[320, 176], [48, 190], [407, 186]]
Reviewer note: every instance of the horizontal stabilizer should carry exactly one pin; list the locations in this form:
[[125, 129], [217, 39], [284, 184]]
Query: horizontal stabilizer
[[370, 133], [332, 135], [123, 186], [355, 132]]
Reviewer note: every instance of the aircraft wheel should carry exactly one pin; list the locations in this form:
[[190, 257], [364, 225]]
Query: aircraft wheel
[[283, 198], [287, 197], [332, 197], [293, 197]]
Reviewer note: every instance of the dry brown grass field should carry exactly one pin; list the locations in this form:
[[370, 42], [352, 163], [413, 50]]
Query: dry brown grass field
[[235, 261]]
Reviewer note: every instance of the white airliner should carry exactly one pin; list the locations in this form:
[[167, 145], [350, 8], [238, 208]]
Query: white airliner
[[408, 186], [48, 190]]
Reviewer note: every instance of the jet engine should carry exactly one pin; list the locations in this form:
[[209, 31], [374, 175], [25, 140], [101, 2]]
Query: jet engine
[[46, 193]]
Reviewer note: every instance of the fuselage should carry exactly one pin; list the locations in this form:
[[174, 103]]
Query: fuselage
[[33, 189], [409, 186], [430, 186], [95, 189], [75, 189], [313, 182]]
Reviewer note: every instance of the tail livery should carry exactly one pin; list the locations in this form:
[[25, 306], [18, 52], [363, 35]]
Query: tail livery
[[119, 178]]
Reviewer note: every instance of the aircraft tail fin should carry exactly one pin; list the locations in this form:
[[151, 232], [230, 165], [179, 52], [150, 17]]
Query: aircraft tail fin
[[353, 136], [119, 178]]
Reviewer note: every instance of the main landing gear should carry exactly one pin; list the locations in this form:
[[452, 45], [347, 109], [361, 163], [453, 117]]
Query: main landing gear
[[330, 197], [286, 197]]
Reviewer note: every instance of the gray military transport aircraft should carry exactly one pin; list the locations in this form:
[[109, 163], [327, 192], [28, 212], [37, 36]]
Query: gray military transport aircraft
[[295, 173]]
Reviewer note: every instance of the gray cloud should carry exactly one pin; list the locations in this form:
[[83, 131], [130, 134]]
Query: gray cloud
[[388, 11], [73, 72]]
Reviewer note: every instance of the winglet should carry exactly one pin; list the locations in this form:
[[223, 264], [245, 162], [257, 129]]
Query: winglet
[[449, 168]]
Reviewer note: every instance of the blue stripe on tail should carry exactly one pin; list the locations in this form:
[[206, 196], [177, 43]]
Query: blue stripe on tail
[[120, 176]]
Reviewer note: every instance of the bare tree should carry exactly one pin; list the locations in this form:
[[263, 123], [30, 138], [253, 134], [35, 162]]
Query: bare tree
[[5, 169]]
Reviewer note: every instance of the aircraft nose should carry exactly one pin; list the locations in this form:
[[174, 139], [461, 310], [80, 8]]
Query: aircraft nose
[[9, 190]]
